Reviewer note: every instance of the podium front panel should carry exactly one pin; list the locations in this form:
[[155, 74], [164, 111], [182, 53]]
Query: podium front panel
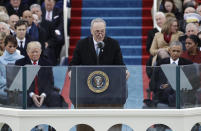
[[98, 86]]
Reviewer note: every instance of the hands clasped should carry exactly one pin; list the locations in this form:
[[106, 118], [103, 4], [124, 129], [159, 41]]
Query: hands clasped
[[38, 100]]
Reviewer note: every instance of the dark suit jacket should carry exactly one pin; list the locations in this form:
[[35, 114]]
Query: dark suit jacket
[[57, 20], [85, 53], [19, 12], [150, 38], [45, 78], [55, 42], [158, 78]]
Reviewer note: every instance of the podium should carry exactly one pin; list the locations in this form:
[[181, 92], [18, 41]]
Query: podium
[[98, 85]]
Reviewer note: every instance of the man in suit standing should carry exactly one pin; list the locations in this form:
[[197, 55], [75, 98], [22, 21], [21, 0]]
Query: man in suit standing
[[88, 52], [163, 92], [41, 92], [22, 38], [52, 22]]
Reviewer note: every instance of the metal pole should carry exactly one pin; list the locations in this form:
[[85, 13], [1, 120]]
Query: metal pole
[[178, 106], [24, 85]]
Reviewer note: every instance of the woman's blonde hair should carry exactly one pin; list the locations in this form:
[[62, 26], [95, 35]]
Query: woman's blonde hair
[[167, 25]]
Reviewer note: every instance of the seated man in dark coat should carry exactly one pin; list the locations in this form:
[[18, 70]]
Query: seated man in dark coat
[[163, 92], [16, 7], [41, 92]]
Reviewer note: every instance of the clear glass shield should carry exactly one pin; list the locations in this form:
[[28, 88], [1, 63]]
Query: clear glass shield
[[11, 86], [190, 93], [45, 87]]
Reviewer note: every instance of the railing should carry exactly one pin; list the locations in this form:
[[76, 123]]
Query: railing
[[101, 120], [67, 14], [100, 89]]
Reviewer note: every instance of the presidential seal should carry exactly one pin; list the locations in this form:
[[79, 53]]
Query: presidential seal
[[98, 81]]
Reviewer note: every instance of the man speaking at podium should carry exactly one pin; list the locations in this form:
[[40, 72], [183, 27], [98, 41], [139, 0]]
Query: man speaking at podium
[[98, 49]]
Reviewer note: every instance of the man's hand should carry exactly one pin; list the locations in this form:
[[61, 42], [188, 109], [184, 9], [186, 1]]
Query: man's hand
[[127, 74], [36, 100], [42, 97]]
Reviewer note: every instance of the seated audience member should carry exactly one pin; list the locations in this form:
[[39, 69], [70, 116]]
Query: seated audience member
[[2, 37], [191, 29], [12, 21], [22, 38], [178, 4], [9, 56], [16, 7], [4, 28], [168, 6], [162, 40], [163, 92], [41, 92], [192, 51], [4, 17], [160, 20], [36, 33]]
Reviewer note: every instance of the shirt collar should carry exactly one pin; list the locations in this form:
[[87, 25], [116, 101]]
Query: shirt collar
[[18, 41], [95, 43], [176, 61], [33, 62]]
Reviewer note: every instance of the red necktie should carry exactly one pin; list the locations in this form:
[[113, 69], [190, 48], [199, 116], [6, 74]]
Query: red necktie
[[36, 82]]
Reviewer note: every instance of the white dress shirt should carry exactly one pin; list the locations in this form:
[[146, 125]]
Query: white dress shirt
[[176, 61], [19, 42]]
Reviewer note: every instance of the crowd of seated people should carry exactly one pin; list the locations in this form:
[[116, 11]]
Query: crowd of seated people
[[21, 23], [183, 27], [34, 21]]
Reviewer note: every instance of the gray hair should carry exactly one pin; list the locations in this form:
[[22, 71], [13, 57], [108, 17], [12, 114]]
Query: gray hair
[[5, 25], [97, 20], [33, 44], [176, 43], [160, 13], [191, 25], [4, 17], [35, 6]]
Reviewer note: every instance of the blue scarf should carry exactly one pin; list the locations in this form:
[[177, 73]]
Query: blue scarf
[[8, 58]]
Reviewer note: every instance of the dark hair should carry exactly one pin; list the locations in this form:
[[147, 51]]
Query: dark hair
[[10, 39], [195, 39], [174, 8], [188, 4], [21, 22]]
